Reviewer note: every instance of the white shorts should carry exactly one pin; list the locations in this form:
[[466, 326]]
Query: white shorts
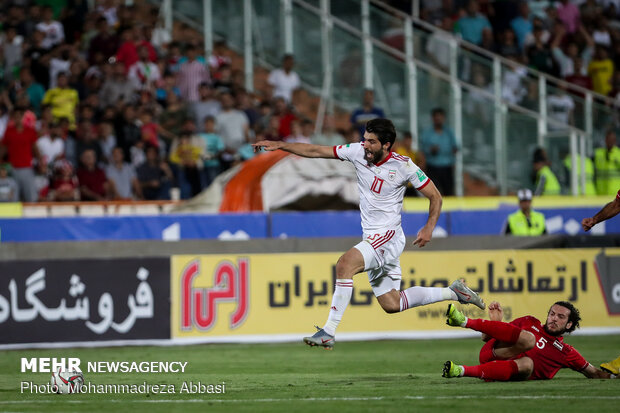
[[381, 252]]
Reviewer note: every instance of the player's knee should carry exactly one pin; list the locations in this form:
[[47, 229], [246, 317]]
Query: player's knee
[[390, 308], [345, 267], [525, 365], [527, 340]]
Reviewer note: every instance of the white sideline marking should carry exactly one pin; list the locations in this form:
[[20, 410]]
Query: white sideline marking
[[321, 399], [286, 338]]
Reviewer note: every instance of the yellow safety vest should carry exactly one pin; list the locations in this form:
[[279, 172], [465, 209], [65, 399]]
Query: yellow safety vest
[[517, 221], [590, 188], [607, 170], [552, 186]]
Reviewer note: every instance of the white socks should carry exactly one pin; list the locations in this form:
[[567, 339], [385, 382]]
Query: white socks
[[417, 296], [340, 301]]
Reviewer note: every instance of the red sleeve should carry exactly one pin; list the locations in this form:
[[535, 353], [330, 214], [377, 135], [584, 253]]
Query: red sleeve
[[575, 361], [523, 321], [336, 153], [618, 195]]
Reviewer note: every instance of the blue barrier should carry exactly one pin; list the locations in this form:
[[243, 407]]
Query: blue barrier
[[281, 224], [336, 224], [170, 227]]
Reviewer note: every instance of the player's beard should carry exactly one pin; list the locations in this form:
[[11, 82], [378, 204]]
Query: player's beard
[[373, 157], [554, 333]]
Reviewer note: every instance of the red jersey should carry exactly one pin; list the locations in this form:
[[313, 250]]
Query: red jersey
[[19, 146], [550, 354]]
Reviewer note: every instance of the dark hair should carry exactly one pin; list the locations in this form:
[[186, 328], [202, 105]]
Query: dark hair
[[574, 316], [438, 110], [539, 155], [384, 129]]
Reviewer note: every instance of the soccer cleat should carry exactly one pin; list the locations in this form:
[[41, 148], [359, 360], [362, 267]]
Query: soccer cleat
[[455, 317], [466, 295], [612, 367], [451, 370], [321, 339]]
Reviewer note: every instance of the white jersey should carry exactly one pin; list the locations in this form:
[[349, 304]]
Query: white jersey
[[382, 186]]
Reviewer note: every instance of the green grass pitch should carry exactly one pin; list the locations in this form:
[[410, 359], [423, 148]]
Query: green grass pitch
[[380, 376]]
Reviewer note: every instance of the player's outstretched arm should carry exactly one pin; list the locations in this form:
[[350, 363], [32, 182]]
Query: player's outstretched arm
[[306, 150], [434, 209], [592, 372], [609, 211]]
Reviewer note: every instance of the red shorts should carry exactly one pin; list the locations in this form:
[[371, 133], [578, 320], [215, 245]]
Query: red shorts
[[486, 352]]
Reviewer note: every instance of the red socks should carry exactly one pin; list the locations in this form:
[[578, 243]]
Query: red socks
[[497, 329], [501, 370]]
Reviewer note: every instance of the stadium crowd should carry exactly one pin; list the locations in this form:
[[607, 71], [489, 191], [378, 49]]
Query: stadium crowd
[[107, 104]]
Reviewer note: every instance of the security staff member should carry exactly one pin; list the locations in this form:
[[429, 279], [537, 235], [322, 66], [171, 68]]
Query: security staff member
[[525, 222], [607, 165]]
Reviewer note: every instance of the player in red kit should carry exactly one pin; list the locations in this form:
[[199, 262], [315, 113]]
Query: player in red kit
[[610, 210], [523, 349]]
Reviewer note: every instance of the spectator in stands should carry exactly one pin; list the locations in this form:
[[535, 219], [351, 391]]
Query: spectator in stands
[[206, 106], [223, 79], [471, 25], [192, 73], [438, 145], [94, 185], [285, 80], [12, 52], [522, 24], [272, 131], [568, 14], [53, 30], [123, 175], [86, 140], [105, 41], [328, 136], [19, 145], [127, 129], [607, 166], [560, 107], [246, 105], [214, 146], [566, 61], [297, 132], [107, 140], [525, 222], [42, 181], [117, 89], [167, 86], [144, 74], [173, 117], [65, 186], [62, 99], [132, 40], [545, 180], [154, 176], [232, 125], [38, 57], [512, 81], [367, 112], [9, 189], [405, 148], [578, 77], [508, 44], [51, 146], [286, 114], [601, 70], [438, 45], [219, 56], [352, 135], [35, 91], [186, 159], [539, 55]]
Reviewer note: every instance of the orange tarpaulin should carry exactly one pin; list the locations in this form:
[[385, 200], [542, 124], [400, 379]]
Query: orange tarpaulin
[[243, 192]]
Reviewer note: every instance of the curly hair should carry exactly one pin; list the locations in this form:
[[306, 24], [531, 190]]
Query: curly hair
[[574, 316]]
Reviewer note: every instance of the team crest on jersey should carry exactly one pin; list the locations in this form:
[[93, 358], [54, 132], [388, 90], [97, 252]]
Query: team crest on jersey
[[421, 175], [377, 171], [391, 173], [558, 345]]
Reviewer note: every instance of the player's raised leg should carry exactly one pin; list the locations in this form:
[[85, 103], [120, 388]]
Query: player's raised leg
[[349, 264], [395, 301], [511, 340]]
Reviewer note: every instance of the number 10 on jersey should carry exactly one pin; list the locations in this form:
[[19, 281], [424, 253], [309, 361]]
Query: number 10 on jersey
[[377, 184]]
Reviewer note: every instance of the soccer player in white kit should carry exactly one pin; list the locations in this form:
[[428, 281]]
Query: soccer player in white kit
[[382, 177]]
